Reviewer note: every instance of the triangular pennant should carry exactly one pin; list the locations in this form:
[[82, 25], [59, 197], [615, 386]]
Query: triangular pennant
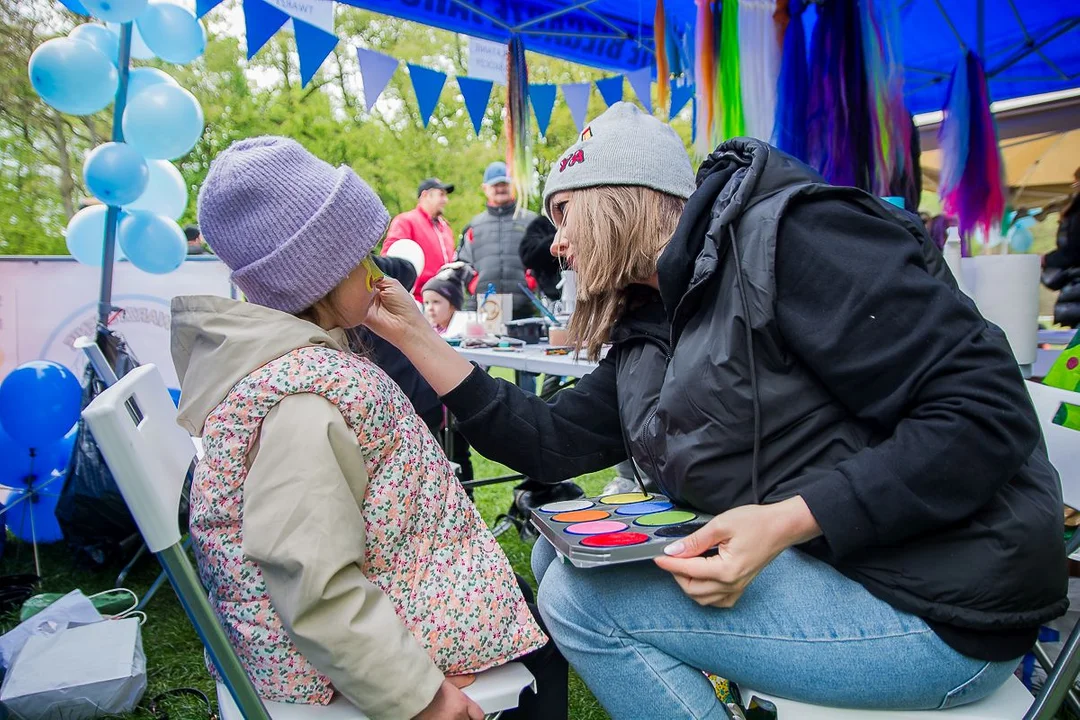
[[204, 6], [428, 85], [261, 21], [577, 99], [376, 69], [680, 95], [641, 81], [313, 44], [611, 89], [476, 93], [543, 101], [77, 7]]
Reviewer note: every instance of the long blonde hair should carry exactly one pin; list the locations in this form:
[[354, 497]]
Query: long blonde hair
[[619, 232]]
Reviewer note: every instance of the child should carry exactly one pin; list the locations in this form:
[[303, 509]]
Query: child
[[337, 549], [444, 296]]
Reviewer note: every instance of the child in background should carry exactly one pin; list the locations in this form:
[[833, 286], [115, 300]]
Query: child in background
[[444, 296], [336, 546]]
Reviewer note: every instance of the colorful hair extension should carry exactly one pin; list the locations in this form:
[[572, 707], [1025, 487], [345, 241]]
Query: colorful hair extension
[[660, 48], [791, 126], [890, 124], [704, 77], [730, 81], [759, 66], [839, 115], [518, 139], [972, 186]]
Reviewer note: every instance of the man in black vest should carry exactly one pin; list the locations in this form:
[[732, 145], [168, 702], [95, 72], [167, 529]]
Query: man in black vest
[[491, 243]]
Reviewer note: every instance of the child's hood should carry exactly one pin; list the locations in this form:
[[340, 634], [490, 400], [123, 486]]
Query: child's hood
[[216, 342]]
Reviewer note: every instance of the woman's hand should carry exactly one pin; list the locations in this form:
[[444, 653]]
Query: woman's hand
[[393, 314], [747, 539], [450, 703]]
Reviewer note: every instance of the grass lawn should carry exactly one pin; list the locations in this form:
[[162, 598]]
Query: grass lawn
[[174, 653]]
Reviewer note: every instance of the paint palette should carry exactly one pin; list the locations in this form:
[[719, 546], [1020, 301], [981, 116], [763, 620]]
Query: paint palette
[[614, 529]]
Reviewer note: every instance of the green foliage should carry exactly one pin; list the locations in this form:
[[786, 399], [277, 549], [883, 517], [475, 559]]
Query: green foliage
[[41, 151]]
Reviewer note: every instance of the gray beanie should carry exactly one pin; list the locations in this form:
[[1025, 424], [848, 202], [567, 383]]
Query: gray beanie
[[624, 146], [288, 225]]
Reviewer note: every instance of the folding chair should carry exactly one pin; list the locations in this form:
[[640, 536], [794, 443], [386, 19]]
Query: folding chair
[[134, 425], [1011, 701]]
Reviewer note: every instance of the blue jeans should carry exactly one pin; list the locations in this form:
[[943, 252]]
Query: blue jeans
[[800, 631]]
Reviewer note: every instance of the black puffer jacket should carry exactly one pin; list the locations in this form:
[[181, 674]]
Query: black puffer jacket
[[1061, 268], [811, 342]]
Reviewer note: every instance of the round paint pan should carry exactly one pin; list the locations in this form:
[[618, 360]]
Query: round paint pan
[[578, 516], [644, 508], [615, 539], [668, 517], [678, 531], [566, 506], [625, 498], [596, 527]]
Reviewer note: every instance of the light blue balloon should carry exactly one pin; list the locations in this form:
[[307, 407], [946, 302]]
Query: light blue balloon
[[117, 11], [163, 122], [172, 32], [101, 37], [143, 77], [86, 236], [154, 243], [72, 76], [166, 192], [115, 173]]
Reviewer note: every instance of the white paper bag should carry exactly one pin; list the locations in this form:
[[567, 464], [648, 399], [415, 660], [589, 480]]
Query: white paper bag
[[78, 673], [495, 311], [72, 610]]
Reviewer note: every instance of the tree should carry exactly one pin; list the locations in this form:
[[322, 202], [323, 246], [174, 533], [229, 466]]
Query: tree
[[40, 166]]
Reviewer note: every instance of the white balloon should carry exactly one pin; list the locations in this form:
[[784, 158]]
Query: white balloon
[[408, 250], [166, 192]]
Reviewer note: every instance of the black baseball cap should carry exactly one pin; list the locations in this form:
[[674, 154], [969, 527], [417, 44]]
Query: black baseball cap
[[432, 184]]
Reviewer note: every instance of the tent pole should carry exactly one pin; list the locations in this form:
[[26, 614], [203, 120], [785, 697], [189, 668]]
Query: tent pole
[[112, 218]]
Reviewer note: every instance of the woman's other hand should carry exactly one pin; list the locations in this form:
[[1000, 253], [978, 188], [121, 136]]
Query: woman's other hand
[[393, 314], [746, 539], [450, 703]]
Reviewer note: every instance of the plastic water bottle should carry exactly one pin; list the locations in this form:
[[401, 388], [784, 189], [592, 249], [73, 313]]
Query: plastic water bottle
[[953, 254]]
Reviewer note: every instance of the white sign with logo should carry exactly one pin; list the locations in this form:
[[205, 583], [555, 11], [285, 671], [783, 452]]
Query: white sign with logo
[[319, 13], [487, 60], [45, 304]]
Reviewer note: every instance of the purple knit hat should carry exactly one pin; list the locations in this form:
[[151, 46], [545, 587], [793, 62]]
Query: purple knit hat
[[288, 225]]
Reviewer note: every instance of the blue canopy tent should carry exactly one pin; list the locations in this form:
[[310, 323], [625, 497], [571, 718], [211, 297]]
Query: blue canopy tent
[[1029, 47]]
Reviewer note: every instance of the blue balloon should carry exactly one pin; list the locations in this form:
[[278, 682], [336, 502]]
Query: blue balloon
[[172, 32], [33, 519], [86, 236], [153, 243], [115, 173], [166, 193], [39, 402], [101, 37], [117, 11], [21, 463], [72, 76], [163, 122], [141, 78]]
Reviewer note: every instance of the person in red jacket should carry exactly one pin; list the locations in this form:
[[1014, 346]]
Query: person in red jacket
[[426, 226]]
